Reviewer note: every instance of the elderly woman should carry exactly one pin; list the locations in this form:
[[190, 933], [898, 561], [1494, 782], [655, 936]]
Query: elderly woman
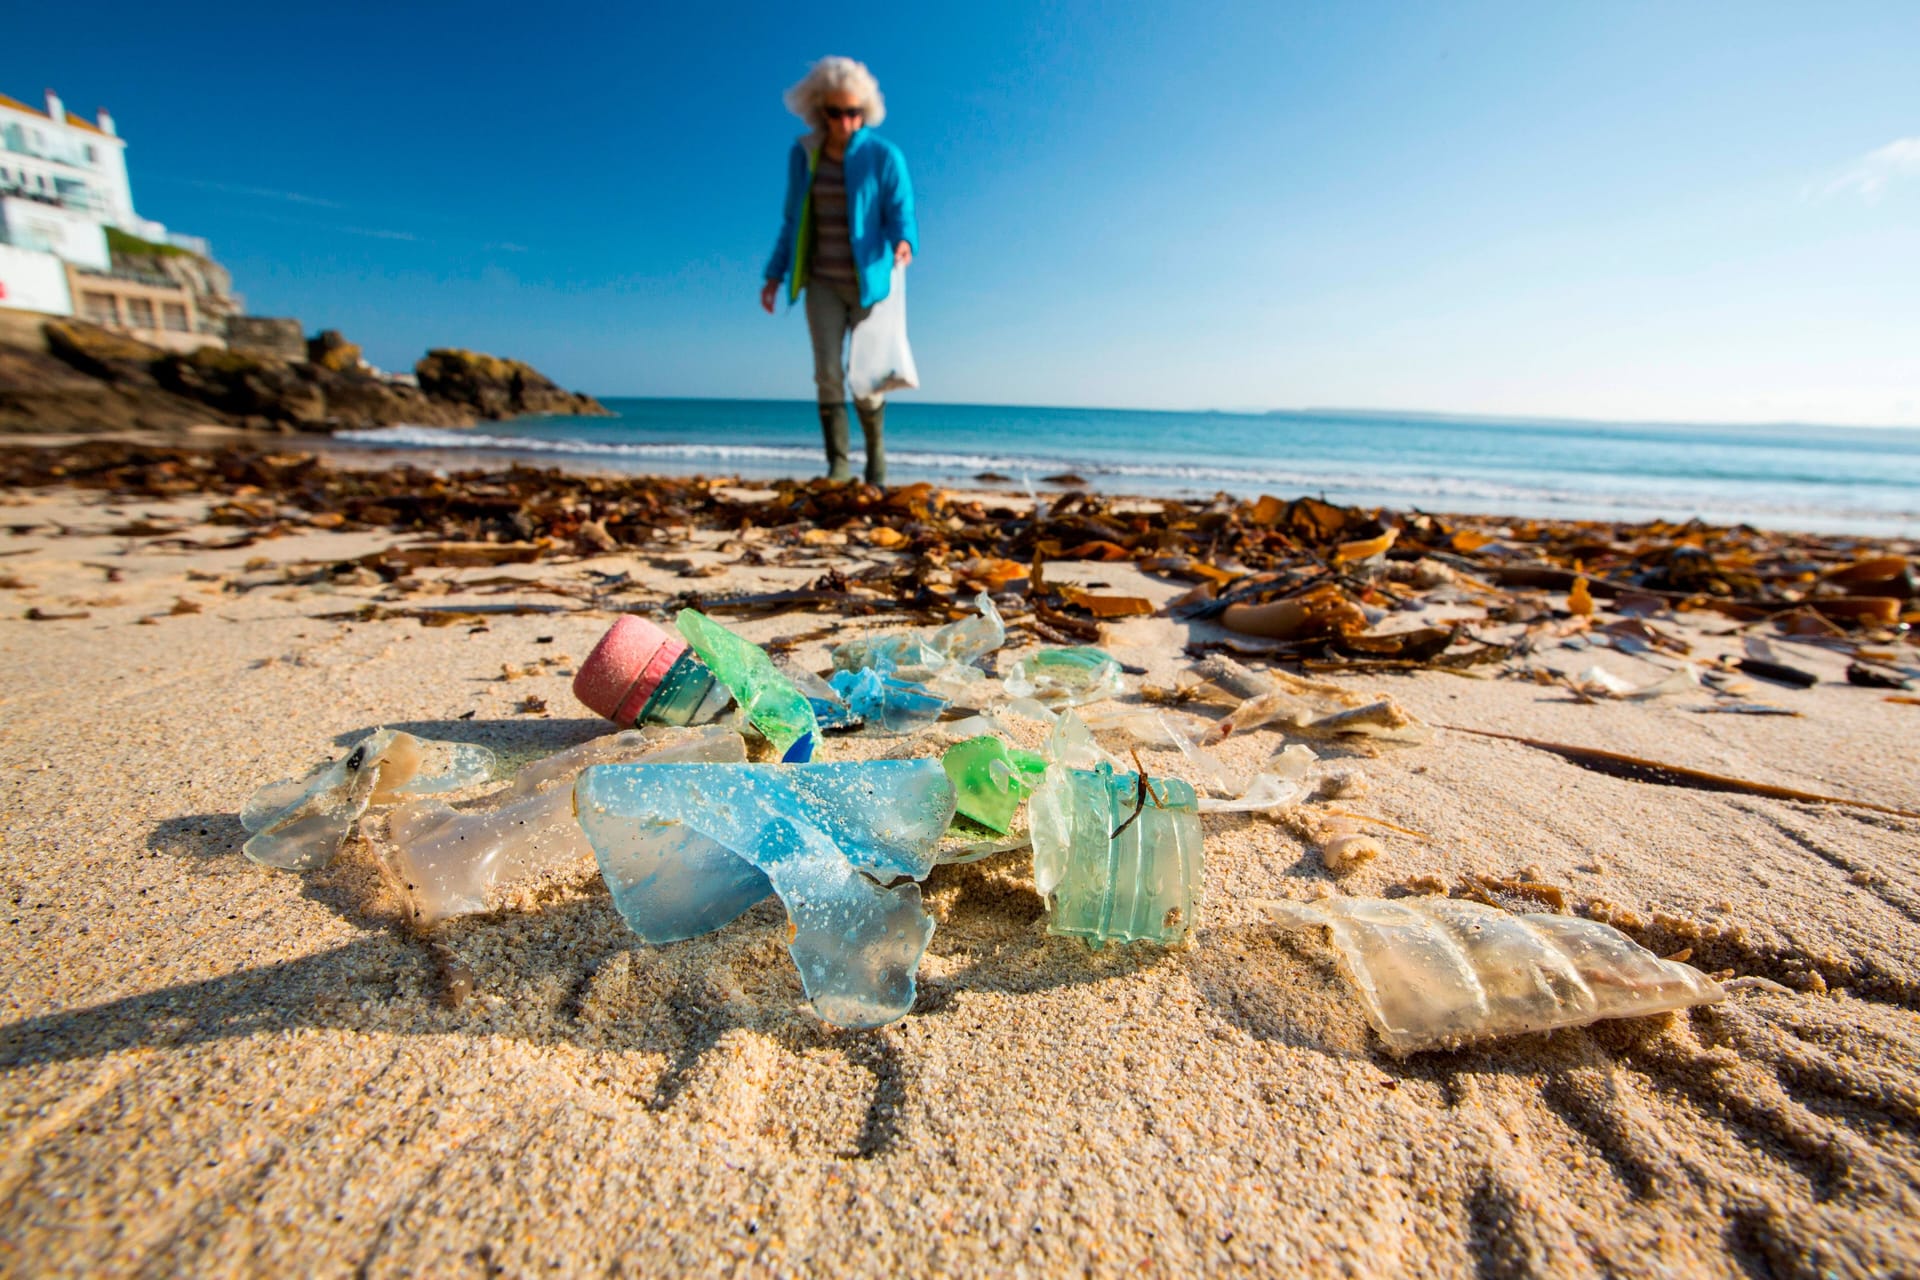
[[847, 221]]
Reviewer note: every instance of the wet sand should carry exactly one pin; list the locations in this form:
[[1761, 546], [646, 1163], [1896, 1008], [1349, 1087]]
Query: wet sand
[[211, 1067]]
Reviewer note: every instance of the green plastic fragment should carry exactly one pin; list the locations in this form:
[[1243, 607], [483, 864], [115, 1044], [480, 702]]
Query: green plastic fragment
[[1144, 885], [991, 778], [773, 704]]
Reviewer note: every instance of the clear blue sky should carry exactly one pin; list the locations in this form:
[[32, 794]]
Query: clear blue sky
[[1695, 211]]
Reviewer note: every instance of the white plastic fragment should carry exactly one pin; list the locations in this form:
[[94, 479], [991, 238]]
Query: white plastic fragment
[[1265, 793]]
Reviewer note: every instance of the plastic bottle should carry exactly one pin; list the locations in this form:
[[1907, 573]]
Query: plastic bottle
[[639, 674], [773, 704]]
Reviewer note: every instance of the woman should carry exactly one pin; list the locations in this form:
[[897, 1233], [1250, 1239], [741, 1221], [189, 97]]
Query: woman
[[847, 221]]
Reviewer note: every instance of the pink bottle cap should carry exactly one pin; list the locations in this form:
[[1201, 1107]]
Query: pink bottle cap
[[625, 668]]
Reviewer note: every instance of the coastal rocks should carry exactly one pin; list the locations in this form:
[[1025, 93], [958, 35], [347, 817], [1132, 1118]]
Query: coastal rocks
[[268, 337], [496, 388], [104, 354], [39, 392], [95, 379], [330, 350], [245, 386]]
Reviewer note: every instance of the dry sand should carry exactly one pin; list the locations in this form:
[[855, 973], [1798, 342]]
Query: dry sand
[[211, 1067]]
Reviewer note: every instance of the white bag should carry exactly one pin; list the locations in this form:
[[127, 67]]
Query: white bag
[[880, 359]]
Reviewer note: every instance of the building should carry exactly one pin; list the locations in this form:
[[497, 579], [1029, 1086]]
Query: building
[[63, 185]]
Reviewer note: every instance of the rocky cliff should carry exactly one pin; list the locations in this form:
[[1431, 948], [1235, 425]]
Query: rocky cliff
[[92, 379], [496, 388]]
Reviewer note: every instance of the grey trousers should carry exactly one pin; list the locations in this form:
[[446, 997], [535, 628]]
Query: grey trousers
[[832, 313]]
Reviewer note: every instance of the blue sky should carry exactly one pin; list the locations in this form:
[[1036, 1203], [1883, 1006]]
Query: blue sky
[[1694, 212]]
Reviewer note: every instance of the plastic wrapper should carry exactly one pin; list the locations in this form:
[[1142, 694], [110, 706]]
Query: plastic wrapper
[[1439, 972], [300, 823], [685, 848], [447, 860]]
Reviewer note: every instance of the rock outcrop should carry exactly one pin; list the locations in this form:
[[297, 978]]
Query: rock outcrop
[[497, 388], [331, 351], [93, 379]]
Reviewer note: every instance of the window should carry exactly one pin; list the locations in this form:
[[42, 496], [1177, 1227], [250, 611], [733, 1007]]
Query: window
[[173, 315], [139, 313], [99, 307], [93, 157]]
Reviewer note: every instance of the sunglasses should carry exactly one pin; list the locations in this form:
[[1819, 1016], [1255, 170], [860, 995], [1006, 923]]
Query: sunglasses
[[843, 113]]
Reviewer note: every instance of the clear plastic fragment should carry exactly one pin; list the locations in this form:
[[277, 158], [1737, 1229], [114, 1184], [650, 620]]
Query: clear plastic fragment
[[923, 656], [1264, 794], [1143, 883], [299, 824], [1439, 972], [447, 860], [1066, 677], [686, 848], [1071, 743]]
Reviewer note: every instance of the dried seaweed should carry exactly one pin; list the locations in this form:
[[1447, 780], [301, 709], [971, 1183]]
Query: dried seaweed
[[1310, 581]]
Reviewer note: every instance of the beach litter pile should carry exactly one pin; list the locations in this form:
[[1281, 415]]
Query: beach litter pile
[[691, 826]]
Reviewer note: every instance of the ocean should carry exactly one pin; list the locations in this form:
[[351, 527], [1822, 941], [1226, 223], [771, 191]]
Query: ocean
[[1819, 479]]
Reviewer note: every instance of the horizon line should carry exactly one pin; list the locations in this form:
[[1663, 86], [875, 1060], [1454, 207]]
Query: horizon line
[[1423, 415]]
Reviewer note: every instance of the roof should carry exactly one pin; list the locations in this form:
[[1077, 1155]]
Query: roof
[[72, 119]]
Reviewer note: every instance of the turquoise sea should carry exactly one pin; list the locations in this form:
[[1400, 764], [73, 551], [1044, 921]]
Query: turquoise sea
[[1826, 479]]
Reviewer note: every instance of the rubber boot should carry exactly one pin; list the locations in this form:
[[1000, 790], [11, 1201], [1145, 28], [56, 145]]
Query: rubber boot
[[871, 421], [833, 428]]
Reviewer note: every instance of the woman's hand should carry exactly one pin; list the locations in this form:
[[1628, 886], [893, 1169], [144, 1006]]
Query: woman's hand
[[769, 294], [902, 254]]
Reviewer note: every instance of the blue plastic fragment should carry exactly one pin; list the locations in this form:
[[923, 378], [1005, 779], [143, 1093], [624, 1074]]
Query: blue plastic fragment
[[685, 848], [901, 706]]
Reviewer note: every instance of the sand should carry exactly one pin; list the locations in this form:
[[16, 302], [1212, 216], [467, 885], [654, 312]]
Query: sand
[[209, 1067]]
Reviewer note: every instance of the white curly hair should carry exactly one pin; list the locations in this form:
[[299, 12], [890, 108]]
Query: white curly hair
[[830, 75]]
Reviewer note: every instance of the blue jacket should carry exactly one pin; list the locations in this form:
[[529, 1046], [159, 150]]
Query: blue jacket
[[879, 213]]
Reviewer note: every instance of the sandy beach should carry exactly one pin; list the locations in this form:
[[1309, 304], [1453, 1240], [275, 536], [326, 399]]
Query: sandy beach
[[211, 1067]]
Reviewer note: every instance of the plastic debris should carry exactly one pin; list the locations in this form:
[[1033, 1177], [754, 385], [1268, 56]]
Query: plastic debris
[[1598, 682], [779, 711], [990, 779], [299, 824], [924, 655], [1295, 760], [830, 710], [1071, 743], [1066, 677], [1439, 972], [446, 860], [638, 673], [1118, 859], [686, 848], [901, 706], [1264, 794]]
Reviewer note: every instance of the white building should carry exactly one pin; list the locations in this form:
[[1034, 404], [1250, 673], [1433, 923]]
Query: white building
[[63, 182], [80, 165]]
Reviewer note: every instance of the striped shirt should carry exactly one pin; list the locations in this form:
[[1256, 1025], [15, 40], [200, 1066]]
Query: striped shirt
[[831, 256]]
